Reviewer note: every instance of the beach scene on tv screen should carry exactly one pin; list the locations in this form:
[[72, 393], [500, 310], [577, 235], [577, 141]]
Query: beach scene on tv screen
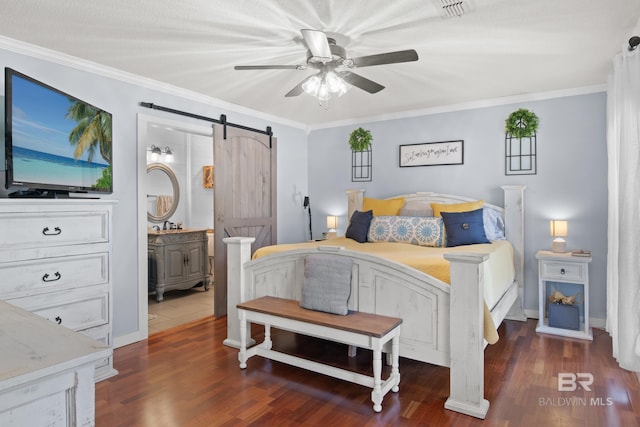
[[58, 140]]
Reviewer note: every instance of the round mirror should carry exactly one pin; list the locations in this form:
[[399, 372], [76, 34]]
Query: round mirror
[[163, 192]]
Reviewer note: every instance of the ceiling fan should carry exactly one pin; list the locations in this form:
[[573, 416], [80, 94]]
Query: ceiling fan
[[334, 67]]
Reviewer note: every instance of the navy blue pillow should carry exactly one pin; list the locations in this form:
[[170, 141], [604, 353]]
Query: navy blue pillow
[[464, 228], [359, 226]]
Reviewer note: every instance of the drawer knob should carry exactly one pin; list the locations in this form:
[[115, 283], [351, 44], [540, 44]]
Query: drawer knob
[[562, 271], [55, 231], [46, 276]]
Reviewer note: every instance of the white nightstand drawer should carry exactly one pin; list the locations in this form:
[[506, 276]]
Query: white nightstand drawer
[[562, 271]]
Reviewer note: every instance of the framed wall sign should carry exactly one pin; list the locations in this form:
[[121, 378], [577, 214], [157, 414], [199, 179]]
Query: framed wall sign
[[432, 154]]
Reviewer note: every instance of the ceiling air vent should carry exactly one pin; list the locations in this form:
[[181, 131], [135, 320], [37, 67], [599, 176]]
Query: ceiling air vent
[[451, 8]]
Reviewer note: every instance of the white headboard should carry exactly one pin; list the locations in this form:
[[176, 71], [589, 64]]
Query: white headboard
[[513, 213]]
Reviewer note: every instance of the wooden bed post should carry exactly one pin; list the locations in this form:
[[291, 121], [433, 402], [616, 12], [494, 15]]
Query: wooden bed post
[[514, 229], [238, 252], [466, 335]]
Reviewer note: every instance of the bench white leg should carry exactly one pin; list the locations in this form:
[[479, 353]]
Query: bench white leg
[[267, 344], [242, 355], [376, 394], [395, 362]]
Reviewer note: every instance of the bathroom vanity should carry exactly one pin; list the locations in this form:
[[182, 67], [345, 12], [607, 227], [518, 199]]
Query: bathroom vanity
[[178, 259]]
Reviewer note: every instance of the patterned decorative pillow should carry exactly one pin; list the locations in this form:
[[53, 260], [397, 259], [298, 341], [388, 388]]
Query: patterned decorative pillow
[[421, 231]]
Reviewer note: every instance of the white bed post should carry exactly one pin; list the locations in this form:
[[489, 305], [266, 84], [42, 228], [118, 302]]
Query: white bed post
[[514, 229], [238, 252], [355, 199], [466, 334]]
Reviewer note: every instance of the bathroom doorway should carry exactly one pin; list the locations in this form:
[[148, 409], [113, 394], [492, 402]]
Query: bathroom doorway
[[184, 152]]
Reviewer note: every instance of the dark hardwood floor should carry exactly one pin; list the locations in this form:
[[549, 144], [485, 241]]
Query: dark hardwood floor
[[186, 377]]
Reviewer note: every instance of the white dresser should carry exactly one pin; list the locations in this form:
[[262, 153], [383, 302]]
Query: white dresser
[[47, 372], [55, 261]]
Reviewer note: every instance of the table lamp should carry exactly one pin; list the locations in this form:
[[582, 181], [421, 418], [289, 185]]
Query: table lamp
[[559, 230], [332, 224]]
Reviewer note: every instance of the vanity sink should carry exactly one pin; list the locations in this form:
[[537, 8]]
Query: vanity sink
[[177, 260], [174, 231]]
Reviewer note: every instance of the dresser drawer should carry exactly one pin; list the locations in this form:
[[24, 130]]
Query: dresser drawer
[[74, 309], [37, 229], [24, 278], [562, 271], [103, 365]]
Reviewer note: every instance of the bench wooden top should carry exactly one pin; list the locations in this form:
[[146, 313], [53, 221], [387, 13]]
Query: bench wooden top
[[373, 325]]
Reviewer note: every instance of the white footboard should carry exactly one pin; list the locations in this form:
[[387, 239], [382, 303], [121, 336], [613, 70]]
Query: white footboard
[[442, 324], [435, 329]]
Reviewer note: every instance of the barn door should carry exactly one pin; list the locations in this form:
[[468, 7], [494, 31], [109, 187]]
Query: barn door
[[244, 198]]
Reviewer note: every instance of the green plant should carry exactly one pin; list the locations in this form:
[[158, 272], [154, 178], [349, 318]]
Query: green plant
[[521, 123], [104, 182], [360, 140]]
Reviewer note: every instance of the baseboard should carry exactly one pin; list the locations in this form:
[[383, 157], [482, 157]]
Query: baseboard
[[128, 339]]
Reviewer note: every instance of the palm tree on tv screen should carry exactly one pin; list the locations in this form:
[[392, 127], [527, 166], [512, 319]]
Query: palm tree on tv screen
[[92, 133]]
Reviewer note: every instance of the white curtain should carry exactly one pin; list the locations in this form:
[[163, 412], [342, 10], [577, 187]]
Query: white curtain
[[623, 256]]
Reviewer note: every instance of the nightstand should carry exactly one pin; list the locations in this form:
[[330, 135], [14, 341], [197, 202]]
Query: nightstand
[[570, 275]]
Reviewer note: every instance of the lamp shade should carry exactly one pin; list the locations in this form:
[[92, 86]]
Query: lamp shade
[[332, 222], [558, 228]]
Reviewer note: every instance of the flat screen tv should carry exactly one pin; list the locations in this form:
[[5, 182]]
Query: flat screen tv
[[55, 144]]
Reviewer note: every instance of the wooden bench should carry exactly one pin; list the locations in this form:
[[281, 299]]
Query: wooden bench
[[358, 329]]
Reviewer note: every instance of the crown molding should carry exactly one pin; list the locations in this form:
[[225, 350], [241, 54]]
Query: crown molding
[[74, 62], [485, 103]]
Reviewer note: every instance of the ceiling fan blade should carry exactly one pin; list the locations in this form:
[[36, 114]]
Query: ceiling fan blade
[[270, 67], [297, 90], [385, 58], [317, 43], [361, 82]]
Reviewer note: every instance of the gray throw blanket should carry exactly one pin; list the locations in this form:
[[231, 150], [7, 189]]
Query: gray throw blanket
[[327, 283]]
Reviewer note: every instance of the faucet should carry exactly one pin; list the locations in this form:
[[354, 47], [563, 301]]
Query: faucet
[[156, 227], [165, 225]]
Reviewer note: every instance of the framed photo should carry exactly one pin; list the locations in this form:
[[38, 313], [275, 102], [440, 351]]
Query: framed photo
[[432, 154], [207, 176]]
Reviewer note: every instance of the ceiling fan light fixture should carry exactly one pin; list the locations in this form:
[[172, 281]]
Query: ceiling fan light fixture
[[323, 93], [311, 85]]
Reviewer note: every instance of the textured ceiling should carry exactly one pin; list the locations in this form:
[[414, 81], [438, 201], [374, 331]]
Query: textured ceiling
[[498, 48]]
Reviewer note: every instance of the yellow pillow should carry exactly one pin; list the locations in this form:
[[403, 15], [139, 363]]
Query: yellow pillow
[[456, 207], [380, 207]]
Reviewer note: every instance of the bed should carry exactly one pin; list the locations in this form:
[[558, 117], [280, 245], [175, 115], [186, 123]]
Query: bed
[[445, 319]]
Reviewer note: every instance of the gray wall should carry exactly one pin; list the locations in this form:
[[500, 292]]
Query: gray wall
[[122, 99], [571, 182]]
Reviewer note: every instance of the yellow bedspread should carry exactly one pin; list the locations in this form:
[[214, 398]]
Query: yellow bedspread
[[498, 275]]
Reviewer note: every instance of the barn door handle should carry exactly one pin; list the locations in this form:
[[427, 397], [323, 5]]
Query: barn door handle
[[56, 231], [45, 278]]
